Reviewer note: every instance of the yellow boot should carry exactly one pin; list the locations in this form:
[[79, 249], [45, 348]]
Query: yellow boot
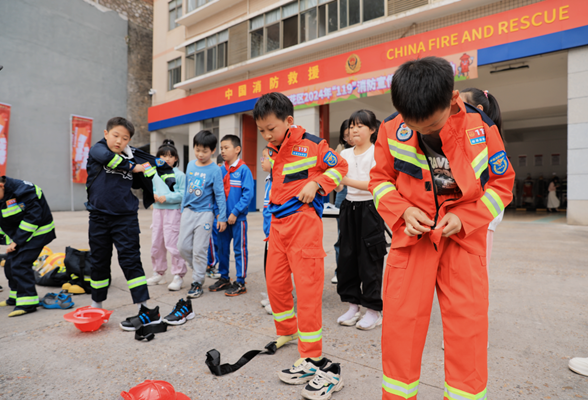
[[66, 286], [76, 289]]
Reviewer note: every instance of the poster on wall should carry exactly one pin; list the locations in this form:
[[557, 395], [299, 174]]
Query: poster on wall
[[81, 141], [4, 124]]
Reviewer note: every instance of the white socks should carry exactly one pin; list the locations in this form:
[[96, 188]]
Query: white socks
[[353, 309], [369, 318]]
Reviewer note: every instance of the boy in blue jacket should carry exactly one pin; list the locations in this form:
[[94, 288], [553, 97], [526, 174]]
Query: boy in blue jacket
[[238, 185]]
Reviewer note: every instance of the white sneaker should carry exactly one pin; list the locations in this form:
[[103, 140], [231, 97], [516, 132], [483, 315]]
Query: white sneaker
[[368, 322], [324, 383], [334, 280], [268, 309], [579, 365], [156, 279], [176, 283], [349, 318]]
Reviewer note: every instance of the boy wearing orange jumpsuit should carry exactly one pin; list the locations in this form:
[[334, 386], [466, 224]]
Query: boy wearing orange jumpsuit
[[303, 164], [441, 176]]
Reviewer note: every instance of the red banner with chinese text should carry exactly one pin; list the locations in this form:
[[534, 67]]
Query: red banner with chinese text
[[378, 62], [81, 141], [4, 124]]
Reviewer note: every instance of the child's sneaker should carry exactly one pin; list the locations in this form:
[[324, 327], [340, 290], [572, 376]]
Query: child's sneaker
[[181, 313], [212, 272], [303, 372], [236, 289], [146, 316], [221, 284], [176, 283], [195, 290], [1, 288], [370, 320], [325, 382], [156, 279]]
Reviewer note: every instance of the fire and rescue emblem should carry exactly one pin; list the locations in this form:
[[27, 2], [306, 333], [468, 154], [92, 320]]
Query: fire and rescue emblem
[[330, 159], [499, 163], [403, 133], [353, 64]]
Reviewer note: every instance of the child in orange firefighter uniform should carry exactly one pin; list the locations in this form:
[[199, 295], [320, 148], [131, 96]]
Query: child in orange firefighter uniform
[[303, 167], [441, 177]]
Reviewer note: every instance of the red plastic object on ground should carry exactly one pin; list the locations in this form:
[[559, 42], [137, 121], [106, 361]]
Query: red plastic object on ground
[[154, 390], [88, 319]]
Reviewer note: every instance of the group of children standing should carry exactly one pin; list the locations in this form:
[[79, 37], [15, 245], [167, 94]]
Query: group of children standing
[[437, 175]]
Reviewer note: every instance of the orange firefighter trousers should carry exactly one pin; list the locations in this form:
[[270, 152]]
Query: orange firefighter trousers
[[296, 248], [412, 274]]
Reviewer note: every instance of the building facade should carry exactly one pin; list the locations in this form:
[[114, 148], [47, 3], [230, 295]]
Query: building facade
[[212, 59]]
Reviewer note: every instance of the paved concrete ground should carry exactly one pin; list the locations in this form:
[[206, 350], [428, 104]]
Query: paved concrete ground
[[538, 321]]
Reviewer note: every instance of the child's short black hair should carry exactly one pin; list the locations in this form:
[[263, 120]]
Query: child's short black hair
[[168, 148], [205, 139], [273, 103], [120, 121], [234, 139], [219, 159], [422, 87]]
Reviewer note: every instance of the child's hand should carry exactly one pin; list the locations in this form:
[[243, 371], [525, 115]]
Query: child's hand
[[221, 226], [413, 217], [308, 192], [344, 181], [138, 168], [161, 199], [155, 197], [232, 219], [11, 248], [452, 224]]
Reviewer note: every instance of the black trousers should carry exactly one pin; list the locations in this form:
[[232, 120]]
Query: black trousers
[[18, 269], [122, 231], [361, 255]]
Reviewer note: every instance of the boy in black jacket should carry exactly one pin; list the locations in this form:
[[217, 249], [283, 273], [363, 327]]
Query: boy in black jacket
[[114, 219], [27, 223]]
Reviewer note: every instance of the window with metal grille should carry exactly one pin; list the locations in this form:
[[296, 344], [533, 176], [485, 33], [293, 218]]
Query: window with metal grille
[[175, 12], [207, 54], [174, 73]]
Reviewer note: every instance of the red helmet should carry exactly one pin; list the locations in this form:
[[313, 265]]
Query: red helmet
[[153, 390]]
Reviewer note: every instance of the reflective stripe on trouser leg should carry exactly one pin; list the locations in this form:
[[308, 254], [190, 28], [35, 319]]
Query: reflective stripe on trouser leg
[[456, 394], [400, 389], [306, 257], [12, 294], [463, 300], [408, 290], [279, 283], [100, 256], [22, 275]]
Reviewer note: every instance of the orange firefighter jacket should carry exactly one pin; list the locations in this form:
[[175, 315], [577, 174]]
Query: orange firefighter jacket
[[302, 158], [402, 177]]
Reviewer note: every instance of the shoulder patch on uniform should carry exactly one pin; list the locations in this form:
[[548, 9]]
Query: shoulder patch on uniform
[[471, 110], [476, 135], [159, 162], [391, 117], [10, 202], [330, 159], [499, 163], [270, 152], [312, 138], [403, 133]]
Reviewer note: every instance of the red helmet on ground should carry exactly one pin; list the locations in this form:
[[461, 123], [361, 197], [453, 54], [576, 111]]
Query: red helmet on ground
[[154, 390]]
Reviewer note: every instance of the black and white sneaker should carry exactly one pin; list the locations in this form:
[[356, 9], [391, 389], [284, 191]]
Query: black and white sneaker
[[303, 372], [145, 317], [181, 313], [325, 382]]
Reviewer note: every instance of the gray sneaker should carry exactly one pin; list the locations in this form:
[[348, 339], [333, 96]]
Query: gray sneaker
[[195, 290]]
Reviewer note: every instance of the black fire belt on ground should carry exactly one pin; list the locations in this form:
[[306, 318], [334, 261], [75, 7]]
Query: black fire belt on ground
[[213, 359]]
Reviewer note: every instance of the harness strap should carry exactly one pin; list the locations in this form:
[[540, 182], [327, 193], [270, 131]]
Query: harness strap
[[213, 358]]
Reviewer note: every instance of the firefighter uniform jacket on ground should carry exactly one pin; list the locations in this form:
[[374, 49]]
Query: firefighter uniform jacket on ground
[[27, 221], [455, 266], [110, 179], [296, 232]]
